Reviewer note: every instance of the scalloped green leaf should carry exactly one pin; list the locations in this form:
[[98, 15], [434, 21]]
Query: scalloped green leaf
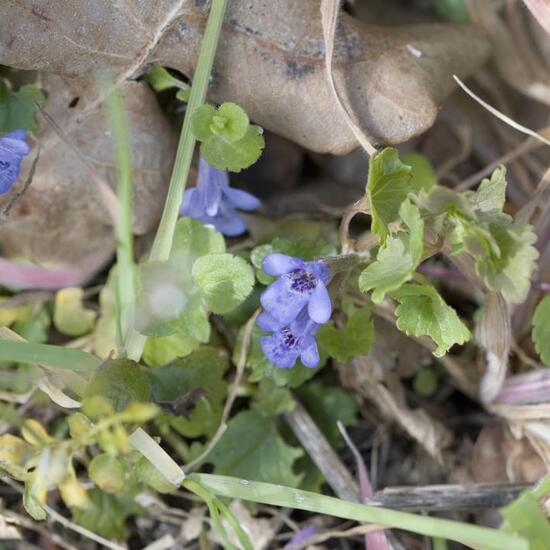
[[388, 184], [397, 259], [423, 312], [225, 280], [193, 239], [234, 155]]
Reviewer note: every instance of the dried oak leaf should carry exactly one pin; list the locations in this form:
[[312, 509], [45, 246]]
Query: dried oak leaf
[[64, 219], [270, 60]]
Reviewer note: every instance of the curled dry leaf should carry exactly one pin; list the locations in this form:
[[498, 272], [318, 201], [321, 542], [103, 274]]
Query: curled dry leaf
[[494, 335], [64, 219], [270, 60], [499, 457]]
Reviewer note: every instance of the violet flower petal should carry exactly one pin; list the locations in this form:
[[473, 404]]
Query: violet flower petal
[[310, 356], [319, 306], [281, 264], [281, 302], [241, 199]]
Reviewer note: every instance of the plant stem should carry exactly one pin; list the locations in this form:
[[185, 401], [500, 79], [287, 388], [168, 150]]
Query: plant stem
[[162, 244], [125, 281]]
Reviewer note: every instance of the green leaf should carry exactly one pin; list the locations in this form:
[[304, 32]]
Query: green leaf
[[327, 405], [70, 316], [389, 183], [235, 155], [34, 328], [160, 79], [251, 448], [423, 174], [270, 400], [353, 340], [526, 517], [511, 273], [231, 122], [151, 476], [225, 280], [422, 312], [541, 330], [201, 120], [491, 193], [161, 350], [121, 381], [203, 370], [193, 323], [300, 247], [107, 472], [106, 513], [34, 496], [193, 239], [397, 259], [18, 109], [425, 381], [262, 368]]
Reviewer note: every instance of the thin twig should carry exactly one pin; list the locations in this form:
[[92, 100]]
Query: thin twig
[[231, 396], [320, 451], [447, 497], [16, 196], [501, 116]]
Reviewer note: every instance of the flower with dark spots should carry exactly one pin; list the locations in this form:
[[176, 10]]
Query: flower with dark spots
[[300, 284], [288, 343], [13, 148], [213, 202]]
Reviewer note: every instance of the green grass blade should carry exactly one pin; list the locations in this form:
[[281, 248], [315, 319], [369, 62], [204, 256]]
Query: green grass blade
[[49, 356], [165, 232], [125, 283], [276, 495]]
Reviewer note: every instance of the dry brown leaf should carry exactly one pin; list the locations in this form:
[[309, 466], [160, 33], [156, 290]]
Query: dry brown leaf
[[8, 529], [270, 60], [63, 220], [494, 335], [512, 62], [498, 457], [373, 383], [541, 12]]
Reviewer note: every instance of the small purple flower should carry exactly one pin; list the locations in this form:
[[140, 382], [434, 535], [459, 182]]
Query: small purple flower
[[213, 202], [13, 148], [288, 343], [300, 284]]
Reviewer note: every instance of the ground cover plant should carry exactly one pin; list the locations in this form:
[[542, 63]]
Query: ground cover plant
[[317, 319]]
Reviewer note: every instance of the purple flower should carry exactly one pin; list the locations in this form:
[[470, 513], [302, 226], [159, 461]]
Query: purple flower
[[300, 284], [213, 202], [13, 148], [288, 343]]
